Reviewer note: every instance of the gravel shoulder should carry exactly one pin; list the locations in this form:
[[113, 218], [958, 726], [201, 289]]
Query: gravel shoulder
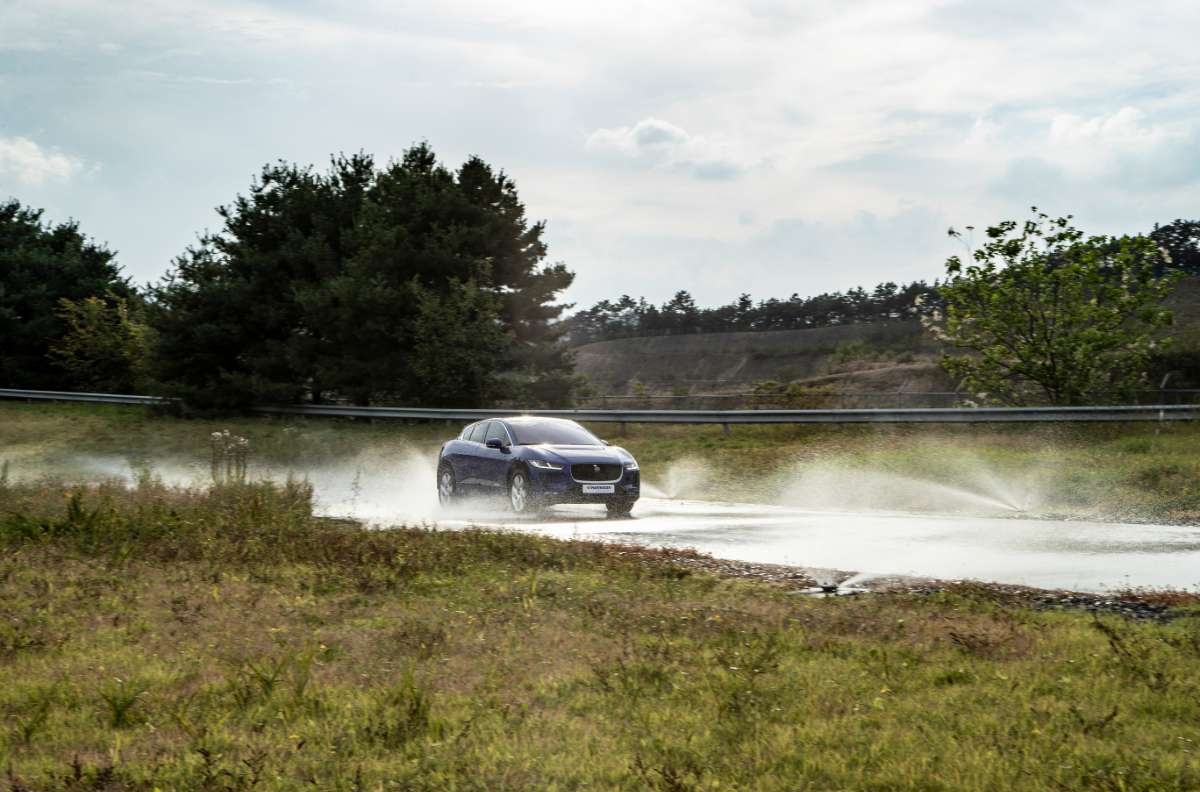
[[1154, 605]]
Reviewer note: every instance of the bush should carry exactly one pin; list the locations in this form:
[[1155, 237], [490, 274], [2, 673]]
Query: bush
[[246, 524], [769, 394]]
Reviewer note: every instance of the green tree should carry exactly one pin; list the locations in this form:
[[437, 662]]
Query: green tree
[[319, 284], [41, 264], [1045, 314], [232, 314], [458, 338], [1181, 240], [104, 348]]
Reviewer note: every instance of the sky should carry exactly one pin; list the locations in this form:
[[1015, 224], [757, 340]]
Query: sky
[[718, 146]]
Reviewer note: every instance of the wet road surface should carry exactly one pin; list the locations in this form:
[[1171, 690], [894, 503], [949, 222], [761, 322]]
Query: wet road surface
[[1077, 555]]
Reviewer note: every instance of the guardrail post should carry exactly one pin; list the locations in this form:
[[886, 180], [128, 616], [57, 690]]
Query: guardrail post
[[621, 429], [725, 429]]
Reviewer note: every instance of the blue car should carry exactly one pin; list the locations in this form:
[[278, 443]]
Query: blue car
[[537, 462]]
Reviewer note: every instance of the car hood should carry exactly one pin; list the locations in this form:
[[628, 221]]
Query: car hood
[[571, 455]]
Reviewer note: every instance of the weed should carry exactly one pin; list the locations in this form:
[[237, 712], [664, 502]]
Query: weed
[[230, 456], [120, 696], [1187, 637], [1094, 725], [419, 638], [22, 632], [1165, 478], [1134, 654], [401, 715], [1137, 445], [678, 771], [214, 775], [953, 676], [988, 638], [260, 678], [33, 720]]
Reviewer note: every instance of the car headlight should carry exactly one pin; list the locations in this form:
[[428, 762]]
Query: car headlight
[[541, 464], [631, 464]]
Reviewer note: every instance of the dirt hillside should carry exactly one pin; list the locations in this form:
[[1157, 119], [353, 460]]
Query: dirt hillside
[[879, 357], [885, 356]]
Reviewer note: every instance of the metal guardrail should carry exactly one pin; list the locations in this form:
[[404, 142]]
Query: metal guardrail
[[1162, 412], [100, 398], [1156, 412]]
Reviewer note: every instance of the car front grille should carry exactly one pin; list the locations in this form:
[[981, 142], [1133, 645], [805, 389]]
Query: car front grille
[[601, 472]]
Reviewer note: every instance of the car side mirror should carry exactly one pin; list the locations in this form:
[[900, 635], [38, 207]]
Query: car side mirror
[[604, 442], [495, 442]]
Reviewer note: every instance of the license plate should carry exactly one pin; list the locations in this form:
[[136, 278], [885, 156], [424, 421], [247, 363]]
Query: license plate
[[598, 489]]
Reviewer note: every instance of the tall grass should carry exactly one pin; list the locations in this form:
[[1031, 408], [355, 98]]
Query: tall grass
[[248, 523], [224, 638]]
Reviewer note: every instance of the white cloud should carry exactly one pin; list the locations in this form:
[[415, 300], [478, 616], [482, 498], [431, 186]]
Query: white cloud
[[32, 165], [1127, 149], [1124, 127], [626, 121], [662, 144], [1092, 139]]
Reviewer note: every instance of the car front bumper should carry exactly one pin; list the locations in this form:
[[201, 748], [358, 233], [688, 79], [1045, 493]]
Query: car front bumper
[[557, 486]]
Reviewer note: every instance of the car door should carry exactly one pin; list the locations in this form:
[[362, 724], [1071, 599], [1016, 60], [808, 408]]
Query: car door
[[455, 452], [472, 450], [493, 462]]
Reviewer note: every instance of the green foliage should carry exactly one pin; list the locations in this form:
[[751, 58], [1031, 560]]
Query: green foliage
[[850, 351], [104, 348], [1046, 314], [120, 697], [40, 266], [408, 282], [458, 338]]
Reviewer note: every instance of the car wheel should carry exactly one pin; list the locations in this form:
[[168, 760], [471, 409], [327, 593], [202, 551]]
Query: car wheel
[[520, 494], [619, 508], [447, 486]]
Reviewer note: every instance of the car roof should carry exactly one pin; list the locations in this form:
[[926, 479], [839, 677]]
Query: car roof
[[525, 420], [535, 419]]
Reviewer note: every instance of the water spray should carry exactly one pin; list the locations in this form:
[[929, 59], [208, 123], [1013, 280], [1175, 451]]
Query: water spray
[[828, 586], [833, 590]]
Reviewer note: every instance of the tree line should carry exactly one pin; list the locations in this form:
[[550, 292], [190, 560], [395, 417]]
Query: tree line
[[627, 317], [404, 282]]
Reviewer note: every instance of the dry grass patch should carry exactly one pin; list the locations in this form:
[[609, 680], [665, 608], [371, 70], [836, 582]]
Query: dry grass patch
[[228, 639]]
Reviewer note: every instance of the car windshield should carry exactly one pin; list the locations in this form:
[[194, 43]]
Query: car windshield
[[552, 433]]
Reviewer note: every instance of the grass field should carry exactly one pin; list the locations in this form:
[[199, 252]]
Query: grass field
[[224, 638], [1112, 471]]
